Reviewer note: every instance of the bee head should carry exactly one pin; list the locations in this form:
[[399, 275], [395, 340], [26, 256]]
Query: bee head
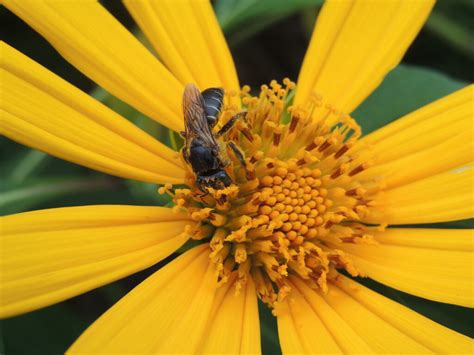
[[217, 181], [221, 180]]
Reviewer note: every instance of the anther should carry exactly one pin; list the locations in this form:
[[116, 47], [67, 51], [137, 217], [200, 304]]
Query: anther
[[250, 174], [294, 122], [341, 151], [311, 146], [324, 146], [357, 170], [339, 171], [276, 138], [247, 133]]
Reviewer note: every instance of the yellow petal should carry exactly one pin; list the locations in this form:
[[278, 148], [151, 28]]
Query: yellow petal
[[167, 313], [91, 39], [300, 329], [188, 39], [354, 45], [443, 113], [419, 263], [425, 238], [448, 196], [336, 336], [50, 255], [433, 139], [389, 327], [233, 326], [43, 111]]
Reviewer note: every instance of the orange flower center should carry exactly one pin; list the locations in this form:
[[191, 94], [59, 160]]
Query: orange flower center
[[298, 194]]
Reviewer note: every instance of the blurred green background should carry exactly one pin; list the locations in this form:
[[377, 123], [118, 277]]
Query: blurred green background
[[268, 39]]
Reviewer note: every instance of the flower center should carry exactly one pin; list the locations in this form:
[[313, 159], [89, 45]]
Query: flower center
[[298, 192]]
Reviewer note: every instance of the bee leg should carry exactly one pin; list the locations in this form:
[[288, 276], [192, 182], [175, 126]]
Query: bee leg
[[230, 123], [202, 188], [185, 155], [201, 197], [240, 156]]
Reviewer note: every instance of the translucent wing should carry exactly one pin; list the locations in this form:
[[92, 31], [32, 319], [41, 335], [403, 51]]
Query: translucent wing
[[195, 118]]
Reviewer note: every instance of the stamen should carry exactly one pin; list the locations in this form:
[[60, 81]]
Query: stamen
[[294, 121], [294, 198]]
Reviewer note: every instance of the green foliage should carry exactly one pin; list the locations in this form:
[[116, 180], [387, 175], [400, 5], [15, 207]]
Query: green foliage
[[31, 179], [268, 330], [405, 89], [150, 126], [243, 18], [47, 331], [452, 22], [26, 195], [27, 165]]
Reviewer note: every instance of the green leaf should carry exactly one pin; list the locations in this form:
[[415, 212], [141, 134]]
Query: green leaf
[[268, 330], [148, 125], [28, 164], [47, 331], [462, 224], [147, 193], [191, 243], [451, 31], [404, 90], [53, 329], [17, 197], [243, 18], [451, 21]]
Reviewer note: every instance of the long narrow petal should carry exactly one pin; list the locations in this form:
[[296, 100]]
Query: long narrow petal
[[389, 327], [354, 45], [188, 39], [175, 311], [91, 39], [300, 330], [233, 326], [433, 139], [41, 110], [435, 264], [448, 196], [50, 255], [359, 321], [319, 328]]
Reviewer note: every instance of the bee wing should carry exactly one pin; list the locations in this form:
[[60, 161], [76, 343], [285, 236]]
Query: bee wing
[[195, 118]]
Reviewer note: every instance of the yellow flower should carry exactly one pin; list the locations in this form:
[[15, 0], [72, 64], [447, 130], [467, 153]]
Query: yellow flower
[[312, 199]]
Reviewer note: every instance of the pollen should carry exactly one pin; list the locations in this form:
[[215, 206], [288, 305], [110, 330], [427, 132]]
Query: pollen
[[298, 193]]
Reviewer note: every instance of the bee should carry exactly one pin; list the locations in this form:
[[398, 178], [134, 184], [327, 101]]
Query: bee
[[201, 149]]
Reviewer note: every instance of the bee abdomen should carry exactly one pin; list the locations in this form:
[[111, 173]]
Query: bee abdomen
[[213, 99]]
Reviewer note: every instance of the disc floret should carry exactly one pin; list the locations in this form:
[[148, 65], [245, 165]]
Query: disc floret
[[297, 196]]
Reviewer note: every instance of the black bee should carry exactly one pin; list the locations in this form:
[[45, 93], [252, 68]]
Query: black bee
[[201, 148]]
